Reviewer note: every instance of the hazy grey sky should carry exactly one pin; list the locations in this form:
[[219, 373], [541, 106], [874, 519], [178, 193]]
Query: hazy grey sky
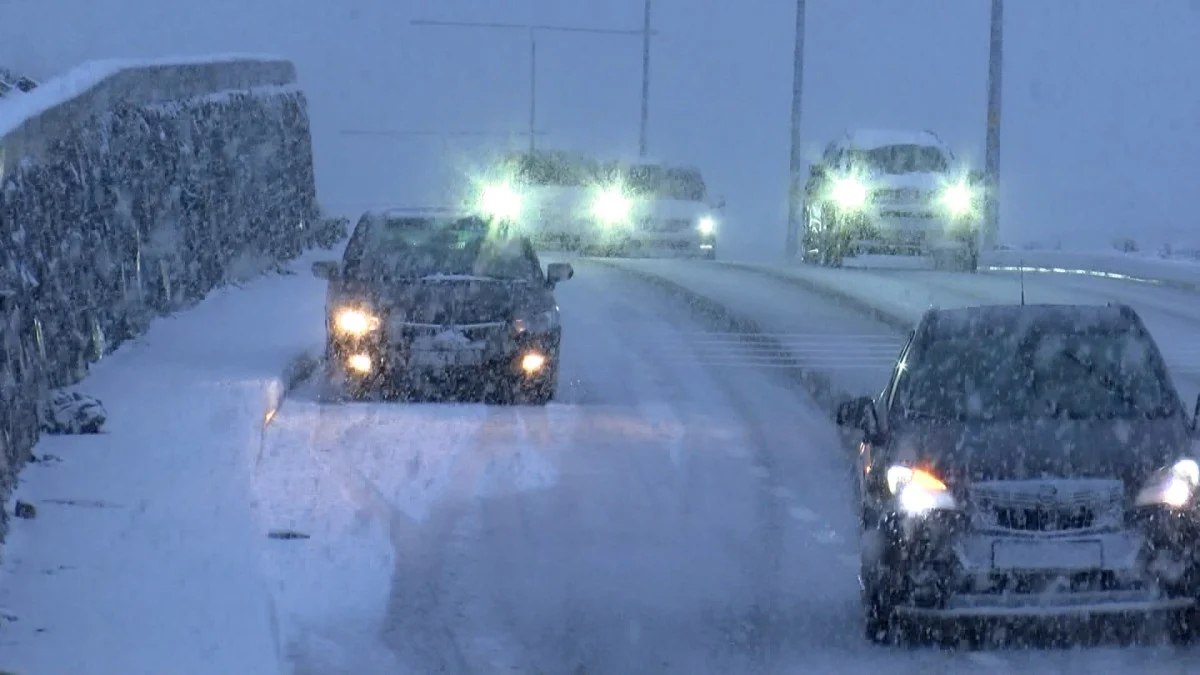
[[1101, 116]]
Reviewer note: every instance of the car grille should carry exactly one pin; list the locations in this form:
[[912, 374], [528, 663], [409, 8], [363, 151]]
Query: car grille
[[1047, 506], [667, 225], [900, 196]]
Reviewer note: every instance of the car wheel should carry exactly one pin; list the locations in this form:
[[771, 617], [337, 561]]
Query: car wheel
[[879, 609], [834, 242], [1185, 626]]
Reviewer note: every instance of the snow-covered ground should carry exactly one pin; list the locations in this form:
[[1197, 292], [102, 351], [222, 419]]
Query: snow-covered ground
[[1180, 270], [142, 558], [1172, 314], [676, 509]]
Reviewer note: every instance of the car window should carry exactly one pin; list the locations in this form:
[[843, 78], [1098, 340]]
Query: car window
[[1087, 374], [404, 248]]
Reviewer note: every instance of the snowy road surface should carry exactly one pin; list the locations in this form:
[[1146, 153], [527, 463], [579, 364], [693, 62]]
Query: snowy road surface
[[665, 514], [681, 507]]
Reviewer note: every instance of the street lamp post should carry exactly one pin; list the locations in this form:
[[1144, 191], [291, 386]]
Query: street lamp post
[[992, 152], [796, 163], [533, 29], [643, 130]]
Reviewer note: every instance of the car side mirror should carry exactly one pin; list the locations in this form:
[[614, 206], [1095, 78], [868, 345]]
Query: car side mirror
[[558, 272], [858, 413], [719, 203], [329, 270]]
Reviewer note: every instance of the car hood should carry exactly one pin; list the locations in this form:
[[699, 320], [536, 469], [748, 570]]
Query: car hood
[[919, 181], [673, 208], [446, 299], [559, 201], [967, 452]]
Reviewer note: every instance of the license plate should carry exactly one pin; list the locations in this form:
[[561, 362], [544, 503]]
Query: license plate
[[446, 358], [1047, 555]]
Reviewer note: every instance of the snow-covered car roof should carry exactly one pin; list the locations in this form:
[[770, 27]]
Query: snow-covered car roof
[[867, 139]]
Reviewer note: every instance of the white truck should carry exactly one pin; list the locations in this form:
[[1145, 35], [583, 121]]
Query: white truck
[[892, 193], [584, 204]]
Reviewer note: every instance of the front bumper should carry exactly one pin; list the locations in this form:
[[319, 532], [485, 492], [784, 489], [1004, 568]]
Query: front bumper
[[407, 353], [941, 568], [906, 231]]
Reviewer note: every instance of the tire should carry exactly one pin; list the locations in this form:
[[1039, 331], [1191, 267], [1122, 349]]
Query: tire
[[835, 241], [879, 610]]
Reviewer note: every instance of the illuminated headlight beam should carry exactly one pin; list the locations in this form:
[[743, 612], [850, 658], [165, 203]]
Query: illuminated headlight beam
[[355, 322], [501, 201], [611, 207], [706, 225], [958, 199], [850, 193]]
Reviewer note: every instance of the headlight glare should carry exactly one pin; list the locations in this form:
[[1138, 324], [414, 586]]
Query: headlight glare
[[918, 491], [1174, 486], [500, 201], [612, 207], [850, 193], [958, 199], [706, 225], [355, 322]]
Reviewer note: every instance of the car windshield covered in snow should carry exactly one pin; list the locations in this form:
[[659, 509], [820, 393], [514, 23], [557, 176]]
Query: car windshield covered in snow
[[555, 168], [1007, 372], [420, 247], [665, 182], [897, 159]]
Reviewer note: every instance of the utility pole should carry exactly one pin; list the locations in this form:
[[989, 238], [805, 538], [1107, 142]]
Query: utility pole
[[992, 153], [532, 90], [796, 163], [645, 82], [533, 29]]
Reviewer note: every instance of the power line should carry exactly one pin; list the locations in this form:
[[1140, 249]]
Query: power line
[[533, 28]]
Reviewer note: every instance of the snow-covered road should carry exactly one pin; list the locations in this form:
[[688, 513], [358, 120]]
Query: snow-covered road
[[683, 506], [669, 512]]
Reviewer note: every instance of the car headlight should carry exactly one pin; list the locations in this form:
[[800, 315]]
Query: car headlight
[[917, 491], [706, 225], [501, 201], [611, 207], [850, 193], [539, 322], [958, 199], [1174, 486], [355, 322]]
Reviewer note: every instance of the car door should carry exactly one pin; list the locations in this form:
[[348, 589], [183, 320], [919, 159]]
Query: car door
[[867, 451]]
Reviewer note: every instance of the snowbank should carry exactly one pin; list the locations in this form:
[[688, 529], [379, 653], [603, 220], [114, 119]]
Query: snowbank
[[145, 556], [1142, 267]]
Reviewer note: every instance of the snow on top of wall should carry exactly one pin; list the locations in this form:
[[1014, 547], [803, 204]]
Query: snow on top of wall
[[80, 79]]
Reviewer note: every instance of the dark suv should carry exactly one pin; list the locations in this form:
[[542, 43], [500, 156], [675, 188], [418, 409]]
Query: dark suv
[[438, 304], [1027, 461]]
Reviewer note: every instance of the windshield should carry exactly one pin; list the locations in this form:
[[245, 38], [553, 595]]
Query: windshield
[[895, 159], [1079, 375], [555, 169], [412, 248], [665, 182]]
